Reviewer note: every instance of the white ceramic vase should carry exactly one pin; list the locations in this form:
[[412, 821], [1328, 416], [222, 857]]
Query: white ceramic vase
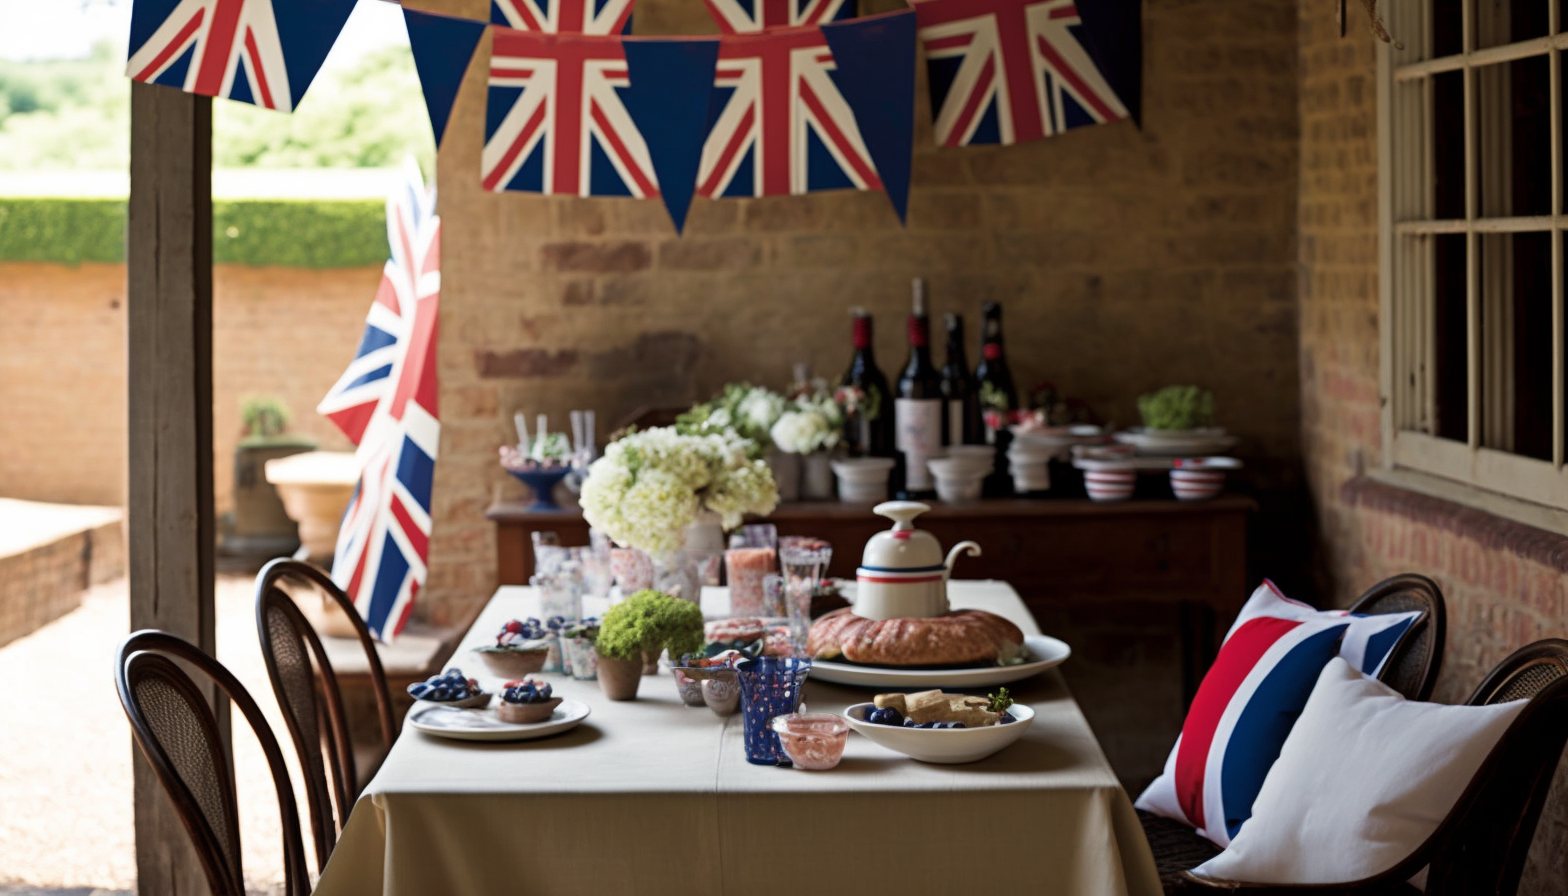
[[786, 473], [816, 476]]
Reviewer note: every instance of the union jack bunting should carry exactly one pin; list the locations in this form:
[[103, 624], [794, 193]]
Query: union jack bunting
[[782, 126], [747, 16], [563, 16], [264, 52], [555, 121], [1010, 71], [386, 402]]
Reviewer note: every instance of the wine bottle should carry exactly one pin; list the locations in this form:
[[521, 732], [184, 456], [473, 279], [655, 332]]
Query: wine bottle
[[868, 431], [918, 407], [998, 397], [961, 423]]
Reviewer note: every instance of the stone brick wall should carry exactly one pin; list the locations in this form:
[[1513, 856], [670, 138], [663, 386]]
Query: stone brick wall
[[1127, 259], [1504, 583], [276, 331]]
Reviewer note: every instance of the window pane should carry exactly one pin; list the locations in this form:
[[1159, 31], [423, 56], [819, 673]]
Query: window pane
[[1516, 343], [1500, 22], [1448, 145], [1447, 28], [1513, 137], [1450, 393]]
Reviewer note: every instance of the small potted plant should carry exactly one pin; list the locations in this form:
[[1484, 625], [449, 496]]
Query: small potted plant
[[1177, 408], [260, 525], [647, 622]]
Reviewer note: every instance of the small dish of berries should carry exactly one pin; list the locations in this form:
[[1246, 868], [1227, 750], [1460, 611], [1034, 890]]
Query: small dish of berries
[[450, 688], [526, 701]]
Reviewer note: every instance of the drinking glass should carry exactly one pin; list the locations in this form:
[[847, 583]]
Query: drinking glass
[[769, 687], [805, 562]]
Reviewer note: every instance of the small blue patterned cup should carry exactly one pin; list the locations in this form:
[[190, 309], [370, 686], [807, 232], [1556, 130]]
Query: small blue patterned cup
[[769, 686]]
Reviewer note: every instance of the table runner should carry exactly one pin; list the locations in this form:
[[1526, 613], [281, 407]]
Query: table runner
[[653, 797]]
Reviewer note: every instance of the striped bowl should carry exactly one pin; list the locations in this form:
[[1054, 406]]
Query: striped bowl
[[1109, 485], [1197, 485]]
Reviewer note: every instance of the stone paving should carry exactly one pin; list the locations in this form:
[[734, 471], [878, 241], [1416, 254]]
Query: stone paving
[[65, 753]]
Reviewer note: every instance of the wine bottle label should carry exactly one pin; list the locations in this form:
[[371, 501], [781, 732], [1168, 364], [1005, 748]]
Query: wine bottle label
[[955, 421], [919, 425]]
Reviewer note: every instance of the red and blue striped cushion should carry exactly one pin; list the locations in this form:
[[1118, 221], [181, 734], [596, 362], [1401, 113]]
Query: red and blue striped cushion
[[1249, 700]]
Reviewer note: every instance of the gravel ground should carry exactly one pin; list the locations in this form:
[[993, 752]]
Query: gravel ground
[[65, 752]]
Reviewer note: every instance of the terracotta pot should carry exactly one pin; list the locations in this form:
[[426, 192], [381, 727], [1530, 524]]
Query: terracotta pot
[[619, 678], [526, 713]]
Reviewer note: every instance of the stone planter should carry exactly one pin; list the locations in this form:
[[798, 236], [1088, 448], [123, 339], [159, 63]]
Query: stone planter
[[619, 679], [316, 487], [261, 526]]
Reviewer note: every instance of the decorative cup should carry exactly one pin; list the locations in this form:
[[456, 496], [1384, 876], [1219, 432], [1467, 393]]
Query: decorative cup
[[746, 567], [721, 692], [813, 740], [633, 570], [690, 688], [582, 661], [769, 687]]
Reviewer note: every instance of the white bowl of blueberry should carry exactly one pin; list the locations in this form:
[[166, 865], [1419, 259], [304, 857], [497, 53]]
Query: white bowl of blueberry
[[933, 726]]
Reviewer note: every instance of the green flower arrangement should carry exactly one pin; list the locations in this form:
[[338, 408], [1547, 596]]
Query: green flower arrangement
[[647, 622], [1177, 407]]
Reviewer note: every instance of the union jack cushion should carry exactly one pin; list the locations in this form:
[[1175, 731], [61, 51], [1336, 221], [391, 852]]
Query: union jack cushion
[[1249, 700]]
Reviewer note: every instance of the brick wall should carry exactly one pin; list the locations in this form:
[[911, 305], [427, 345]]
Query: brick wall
[[1127, 259], [1504, 583], [276, 331]]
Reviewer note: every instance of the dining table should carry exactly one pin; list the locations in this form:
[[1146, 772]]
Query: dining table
[[653, 797]]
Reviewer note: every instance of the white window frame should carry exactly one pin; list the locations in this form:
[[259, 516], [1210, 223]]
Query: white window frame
[[1512, 485]]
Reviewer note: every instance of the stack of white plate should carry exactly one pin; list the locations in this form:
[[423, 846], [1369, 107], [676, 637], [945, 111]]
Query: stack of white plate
[[1029, 465], [960, 474], [862, 478], [1177, 442]]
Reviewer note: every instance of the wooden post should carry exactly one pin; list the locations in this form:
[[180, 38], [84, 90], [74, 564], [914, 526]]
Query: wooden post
[[169, 314]]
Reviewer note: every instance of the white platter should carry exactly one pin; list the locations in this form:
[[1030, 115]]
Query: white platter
[[1177, 442], [482, 724], [1044, 652]]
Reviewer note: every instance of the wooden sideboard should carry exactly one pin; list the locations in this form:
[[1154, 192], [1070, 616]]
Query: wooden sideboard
[[1052, 551]]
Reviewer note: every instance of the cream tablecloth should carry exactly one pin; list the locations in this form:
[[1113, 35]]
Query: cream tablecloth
[[652, 797]]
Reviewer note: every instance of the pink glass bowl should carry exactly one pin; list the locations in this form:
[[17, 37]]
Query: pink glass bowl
[[812, 740]]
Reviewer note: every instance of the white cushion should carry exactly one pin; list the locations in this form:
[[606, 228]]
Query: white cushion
[[1250, 698], [1364, 778]]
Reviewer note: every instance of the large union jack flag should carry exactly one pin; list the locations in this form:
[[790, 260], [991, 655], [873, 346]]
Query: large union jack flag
[[555, 121], [563, 16], [386, 403], [1009, 71], [264, 52], [748, 16], [782, 126]]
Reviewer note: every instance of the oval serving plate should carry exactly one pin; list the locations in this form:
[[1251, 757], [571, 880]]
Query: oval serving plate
[[482, 724], [1044, 652]]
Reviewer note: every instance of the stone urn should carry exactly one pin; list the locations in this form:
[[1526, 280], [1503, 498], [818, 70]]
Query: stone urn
[[315, 487]]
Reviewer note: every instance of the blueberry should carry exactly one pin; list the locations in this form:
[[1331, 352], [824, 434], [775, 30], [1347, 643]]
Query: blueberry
[[910, 723], [1006, 717], [959, 725]]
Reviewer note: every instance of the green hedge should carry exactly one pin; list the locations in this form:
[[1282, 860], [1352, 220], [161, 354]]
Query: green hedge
[[283, 232]]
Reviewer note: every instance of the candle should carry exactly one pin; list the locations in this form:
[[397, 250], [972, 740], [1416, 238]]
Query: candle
[[746, 567]]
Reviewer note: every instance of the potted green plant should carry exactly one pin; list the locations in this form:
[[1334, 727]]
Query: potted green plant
[[647, 622], [1180, 408], [260, 525]]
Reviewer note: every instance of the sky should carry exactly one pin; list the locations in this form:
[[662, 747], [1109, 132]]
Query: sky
[[64, 29]]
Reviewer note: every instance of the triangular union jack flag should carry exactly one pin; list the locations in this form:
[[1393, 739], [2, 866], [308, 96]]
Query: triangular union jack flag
[[1010, 71], [264, 52], [750, 16], [563, 16], [781, 126], [386, 402], [555, 121]]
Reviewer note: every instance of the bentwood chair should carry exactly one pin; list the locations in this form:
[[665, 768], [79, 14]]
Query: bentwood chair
[[1411, 669], [1480, 847], [176, 729], [307, 691]]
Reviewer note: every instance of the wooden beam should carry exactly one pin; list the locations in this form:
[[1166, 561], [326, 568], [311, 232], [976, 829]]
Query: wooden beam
[[169, 323]]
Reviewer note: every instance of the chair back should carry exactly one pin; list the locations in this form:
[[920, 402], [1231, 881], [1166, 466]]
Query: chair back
[[307, 691], [176, 729], [1415, 660], [1481, 847]]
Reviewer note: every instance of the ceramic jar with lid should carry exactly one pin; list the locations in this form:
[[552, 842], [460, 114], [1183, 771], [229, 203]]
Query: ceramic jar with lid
[[903, 574]]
